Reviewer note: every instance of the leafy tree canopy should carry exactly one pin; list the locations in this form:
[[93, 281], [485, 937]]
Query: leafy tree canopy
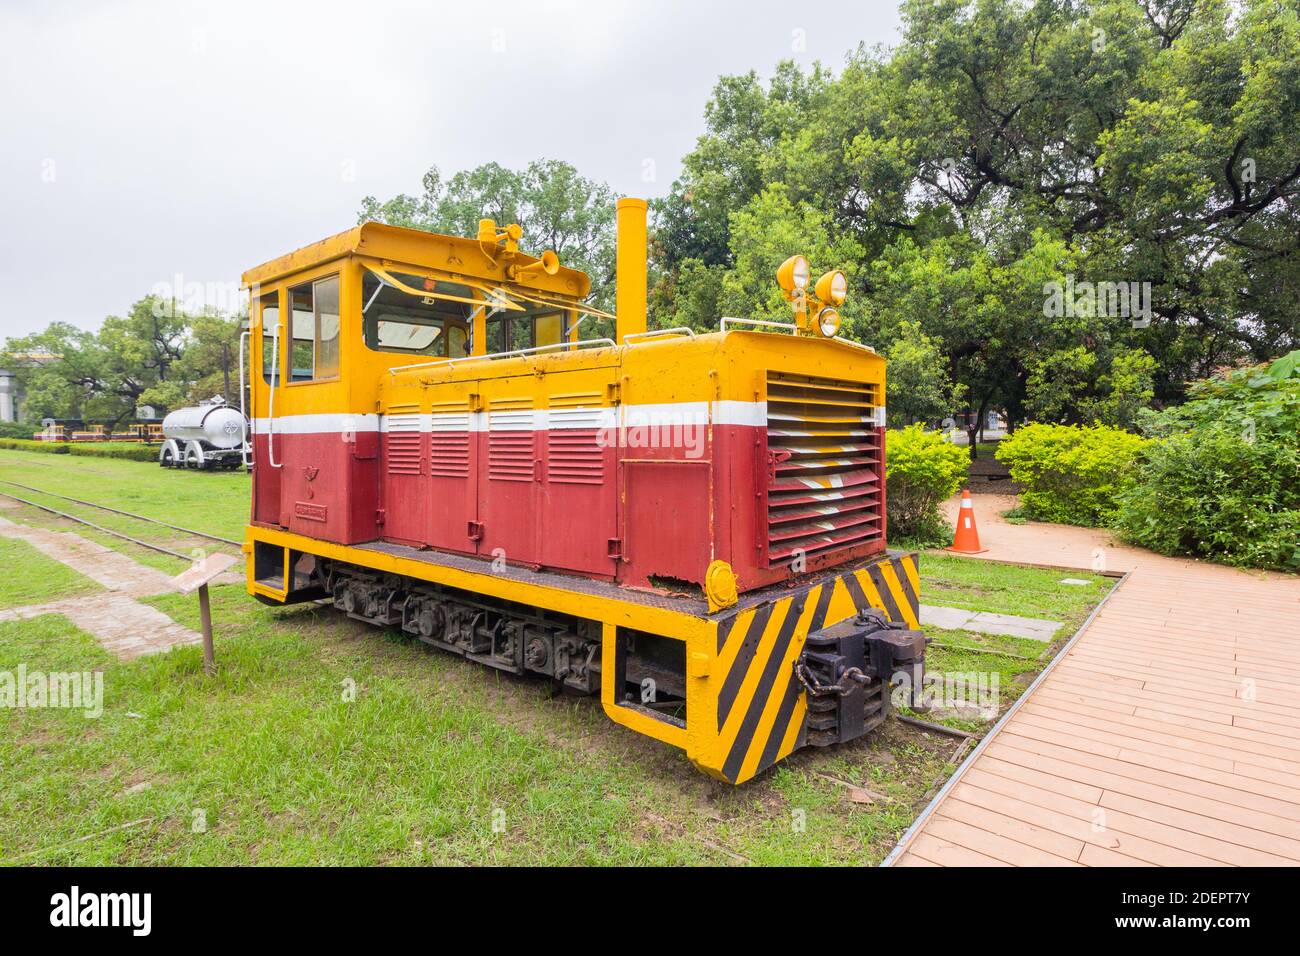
[[1004, 145], [556, 206]]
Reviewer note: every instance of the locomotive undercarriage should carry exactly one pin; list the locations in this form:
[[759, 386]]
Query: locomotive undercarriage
[[510, 637]]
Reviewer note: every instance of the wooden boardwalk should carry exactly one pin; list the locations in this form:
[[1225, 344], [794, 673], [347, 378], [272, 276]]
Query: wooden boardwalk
[[1167, 735]]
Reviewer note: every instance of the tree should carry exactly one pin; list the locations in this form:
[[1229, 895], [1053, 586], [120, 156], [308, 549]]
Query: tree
[[1152, 142], [556, 206], [154, 355], [920, 389]]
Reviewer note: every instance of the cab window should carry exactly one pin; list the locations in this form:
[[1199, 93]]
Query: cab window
[[270, 305], [394, 321], [511, 331], [314, 318]]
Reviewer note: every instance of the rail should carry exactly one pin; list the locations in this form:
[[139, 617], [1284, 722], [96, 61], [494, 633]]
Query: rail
[[116, 511], [776, 325], [679, 330], [90, 524]]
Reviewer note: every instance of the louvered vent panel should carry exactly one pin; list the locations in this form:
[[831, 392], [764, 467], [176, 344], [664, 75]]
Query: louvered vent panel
[[574, 455], [403, 440], [449, 439], [511, 440], [824, 493]]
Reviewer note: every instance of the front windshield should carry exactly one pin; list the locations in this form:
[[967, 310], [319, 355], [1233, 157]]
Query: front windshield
[[423, 315], [395, 321]]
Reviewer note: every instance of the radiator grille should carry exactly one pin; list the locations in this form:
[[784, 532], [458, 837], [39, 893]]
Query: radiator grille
[[403, 443], [511, 440], [574, 455], [449, 438], [824, 484]]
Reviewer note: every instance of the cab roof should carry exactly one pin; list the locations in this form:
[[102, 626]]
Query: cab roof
[[397, 245]]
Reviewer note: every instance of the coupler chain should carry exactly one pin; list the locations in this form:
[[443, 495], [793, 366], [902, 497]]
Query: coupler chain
[[847, 670]]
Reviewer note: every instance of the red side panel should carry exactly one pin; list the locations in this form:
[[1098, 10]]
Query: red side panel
[[266, 484], [328, 484], [666, 520], [508, 482], [404, 497], [453, 480], [578, 507]]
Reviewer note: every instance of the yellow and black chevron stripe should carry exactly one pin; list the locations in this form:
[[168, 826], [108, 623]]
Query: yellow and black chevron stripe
[[761, 706]]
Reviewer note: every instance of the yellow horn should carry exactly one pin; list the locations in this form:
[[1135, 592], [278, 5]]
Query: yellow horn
[[548, 263]]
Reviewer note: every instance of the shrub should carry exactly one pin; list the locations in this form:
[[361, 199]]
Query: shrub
[[922, 469], [1222, 478], [17, 430], [128, 452], [1070, 473], [26, 444]]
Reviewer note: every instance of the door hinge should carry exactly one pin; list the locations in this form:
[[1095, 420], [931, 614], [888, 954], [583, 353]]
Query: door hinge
[[380, 516], [615, 548], [475, 531], [613, 391]]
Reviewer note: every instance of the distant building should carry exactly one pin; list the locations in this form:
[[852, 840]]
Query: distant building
[[10, 394]]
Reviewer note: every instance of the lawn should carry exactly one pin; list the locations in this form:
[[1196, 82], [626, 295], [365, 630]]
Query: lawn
[[213, 502], [324, 740], [32, 578]]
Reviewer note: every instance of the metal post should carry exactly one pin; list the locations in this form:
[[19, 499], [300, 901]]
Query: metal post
[[205, 615]]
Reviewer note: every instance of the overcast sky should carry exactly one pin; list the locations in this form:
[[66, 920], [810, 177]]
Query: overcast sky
[[145, 141]]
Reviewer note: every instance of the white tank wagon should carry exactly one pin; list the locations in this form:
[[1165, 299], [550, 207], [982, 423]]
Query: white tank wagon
[[211, 434]]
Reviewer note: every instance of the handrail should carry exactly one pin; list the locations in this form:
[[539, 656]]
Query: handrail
[[270, 402], [679, 330], [243, 414], [584, 343], [778, 325]]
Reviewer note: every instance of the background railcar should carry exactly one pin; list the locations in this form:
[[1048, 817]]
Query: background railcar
[[691, 525]]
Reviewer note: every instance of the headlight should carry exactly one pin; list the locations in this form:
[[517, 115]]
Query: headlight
[[828, 322], [793, 274], [833, 287]]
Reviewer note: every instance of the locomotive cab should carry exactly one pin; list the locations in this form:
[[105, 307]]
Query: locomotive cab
[[437, 448]]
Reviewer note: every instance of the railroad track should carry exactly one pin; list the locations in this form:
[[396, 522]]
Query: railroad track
[[117, 511]]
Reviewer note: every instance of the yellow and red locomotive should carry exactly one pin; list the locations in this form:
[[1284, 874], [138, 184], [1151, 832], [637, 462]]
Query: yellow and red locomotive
[[690, 525]]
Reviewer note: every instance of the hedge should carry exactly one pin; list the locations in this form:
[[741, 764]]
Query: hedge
[[1070, 473], [131, 453], [1221, 480]]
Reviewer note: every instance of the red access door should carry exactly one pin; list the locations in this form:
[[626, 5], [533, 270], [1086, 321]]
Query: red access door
[[578, 490], [510, 472]]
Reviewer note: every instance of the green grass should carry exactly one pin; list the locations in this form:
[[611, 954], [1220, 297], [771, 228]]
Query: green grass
[[952, 581], [284, 770], [212, 502], [31, 578]]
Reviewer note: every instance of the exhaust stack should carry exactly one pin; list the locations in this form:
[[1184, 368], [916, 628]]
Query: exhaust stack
[[630, 263]]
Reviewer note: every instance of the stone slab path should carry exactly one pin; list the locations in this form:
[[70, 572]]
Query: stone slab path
[[122, 625], [985, 622], [1168, 733]]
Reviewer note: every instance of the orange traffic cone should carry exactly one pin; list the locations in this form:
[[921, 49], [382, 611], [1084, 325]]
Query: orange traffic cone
[[967, 538]]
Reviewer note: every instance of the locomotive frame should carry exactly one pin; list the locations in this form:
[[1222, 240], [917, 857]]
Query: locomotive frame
[[733, 598]]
